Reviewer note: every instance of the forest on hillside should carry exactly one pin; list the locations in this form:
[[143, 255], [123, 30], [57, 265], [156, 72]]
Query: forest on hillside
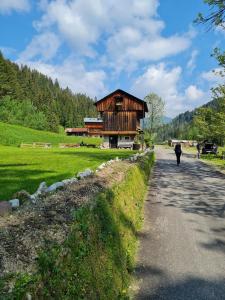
[[205, 122], [183, 126], [31, 99]]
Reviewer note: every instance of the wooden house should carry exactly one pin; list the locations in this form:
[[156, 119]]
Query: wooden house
[[121, 114], [119, 120], [92, 127]]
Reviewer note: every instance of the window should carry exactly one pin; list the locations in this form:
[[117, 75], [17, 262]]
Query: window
[[127, 138], [118, 102]]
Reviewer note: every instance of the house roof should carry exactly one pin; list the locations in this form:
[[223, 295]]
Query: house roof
[[126, 94]]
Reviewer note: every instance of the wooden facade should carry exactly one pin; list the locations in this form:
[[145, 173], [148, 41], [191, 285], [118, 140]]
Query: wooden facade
[[121, 111], [94, 126], [121, 114], [119, 122]]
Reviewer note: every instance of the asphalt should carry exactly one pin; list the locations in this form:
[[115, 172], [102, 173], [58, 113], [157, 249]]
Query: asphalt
[[182, 245]]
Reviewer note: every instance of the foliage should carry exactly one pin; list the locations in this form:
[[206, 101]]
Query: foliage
[[97, 258], [184, 127], [216, 16], [211, 123], [220, 57], [26, 168], [22, 113], [180, 127], [155, 113], [59, 106]]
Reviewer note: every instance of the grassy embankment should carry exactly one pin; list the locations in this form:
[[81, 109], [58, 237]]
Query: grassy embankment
[[27, 168], [97, 258]]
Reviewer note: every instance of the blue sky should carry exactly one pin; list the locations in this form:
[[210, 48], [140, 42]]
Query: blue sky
[[96, 46]]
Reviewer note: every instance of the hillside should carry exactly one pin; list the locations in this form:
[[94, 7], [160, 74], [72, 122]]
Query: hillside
[[59, 106], [14, 135], [181, 126]]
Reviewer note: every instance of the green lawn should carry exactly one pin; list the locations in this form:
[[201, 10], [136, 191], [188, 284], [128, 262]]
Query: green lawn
[[14, 135], [26, 168], [209, 158], [215, 160]]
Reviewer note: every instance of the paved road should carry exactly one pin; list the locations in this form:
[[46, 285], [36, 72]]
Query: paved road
[[182, 246]]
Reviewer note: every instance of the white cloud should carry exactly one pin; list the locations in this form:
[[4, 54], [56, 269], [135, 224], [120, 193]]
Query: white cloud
[[127, 31], [213, 76], [191, 65], [192, 93], [158, 79], [124, 50], [82, 23], [164, 81], [7, 6], [45, 45], [73, 74], [115, 35]]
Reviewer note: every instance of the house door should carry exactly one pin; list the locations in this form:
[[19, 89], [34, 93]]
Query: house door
[[113, 141]]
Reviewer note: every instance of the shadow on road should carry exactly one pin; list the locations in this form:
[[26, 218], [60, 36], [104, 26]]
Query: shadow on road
[[196, 193], [191, 288], [194, 188]]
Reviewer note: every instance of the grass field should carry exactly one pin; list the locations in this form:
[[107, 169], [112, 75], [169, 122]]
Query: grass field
[[215, 160], [14, 135], [210, 158], [26, 168]]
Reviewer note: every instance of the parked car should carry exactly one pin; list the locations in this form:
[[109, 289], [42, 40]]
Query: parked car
[[209, 148]]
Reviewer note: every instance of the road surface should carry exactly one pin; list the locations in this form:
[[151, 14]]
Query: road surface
[[182, 245]]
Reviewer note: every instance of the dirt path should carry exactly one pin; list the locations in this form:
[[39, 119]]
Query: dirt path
[[182, 246]]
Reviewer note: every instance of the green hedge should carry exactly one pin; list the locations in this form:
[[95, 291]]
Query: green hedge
[[97, 259]]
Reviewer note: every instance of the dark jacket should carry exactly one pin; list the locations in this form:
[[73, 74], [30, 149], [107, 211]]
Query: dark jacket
[[178, 150]]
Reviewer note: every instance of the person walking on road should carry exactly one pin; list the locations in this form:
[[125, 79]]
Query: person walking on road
[[198, 149], [178, 152]]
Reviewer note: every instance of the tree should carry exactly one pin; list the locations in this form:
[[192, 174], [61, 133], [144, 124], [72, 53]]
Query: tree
[[155, 112], [22, 113], [54, 106], [216, 16], [211, 122], [215, 19]]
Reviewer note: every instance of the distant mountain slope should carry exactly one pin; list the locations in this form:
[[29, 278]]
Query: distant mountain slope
[[60, 106], [166, 120], [187, 116], [178, 126], [14, 135]]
